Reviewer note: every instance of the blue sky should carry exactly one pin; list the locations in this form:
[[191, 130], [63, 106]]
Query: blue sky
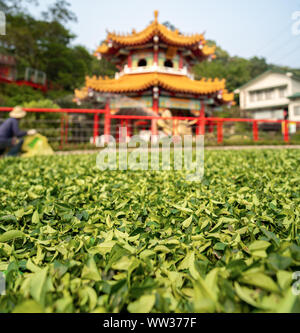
[[241, 27]]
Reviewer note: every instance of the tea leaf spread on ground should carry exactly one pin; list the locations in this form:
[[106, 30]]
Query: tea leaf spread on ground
[[77, 239]]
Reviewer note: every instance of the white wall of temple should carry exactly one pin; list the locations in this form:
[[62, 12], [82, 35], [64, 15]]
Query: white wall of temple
[[143, 61], [154, 69]]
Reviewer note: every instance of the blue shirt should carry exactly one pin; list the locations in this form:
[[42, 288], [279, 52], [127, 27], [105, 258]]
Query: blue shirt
[[10, 129]]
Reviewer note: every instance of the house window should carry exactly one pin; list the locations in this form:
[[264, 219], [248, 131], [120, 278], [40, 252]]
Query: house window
[[260, 95], [282, 92], [252, 96], [297, 110], [168, 63], [142, 63], [263, 115], [269, 94]]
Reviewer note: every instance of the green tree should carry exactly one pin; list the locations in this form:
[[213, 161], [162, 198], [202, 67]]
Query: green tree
[[12, 95], [236, 70], [15, 6], [102, 68], [257, 66], [45, 44], [59, 12]]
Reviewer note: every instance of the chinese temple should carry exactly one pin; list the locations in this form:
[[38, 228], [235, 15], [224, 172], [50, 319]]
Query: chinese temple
[[155, 73]]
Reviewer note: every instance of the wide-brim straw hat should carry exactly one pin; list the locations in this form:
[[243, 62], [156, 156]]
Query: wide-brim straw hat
[[17, 113]]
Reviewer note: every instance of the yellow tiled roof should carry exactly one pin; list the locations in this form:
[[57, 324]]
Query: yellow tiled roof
[[141, 82], [103, 48], [228, 97], [156, 29], [81, 93], [209, 50]]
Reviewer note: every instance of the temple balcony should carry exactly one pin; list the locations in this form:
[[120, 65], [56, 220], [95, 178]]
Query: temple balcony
[[154, 69]]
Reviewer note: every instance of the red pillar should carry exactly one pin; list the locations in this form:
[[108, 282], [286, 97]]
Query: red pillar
[[107, 120], [255, 131], [201, 130], [155, 105], [155, 58], [129, 61], [286, 131], [96, 127], [181, 62], [220, 131]]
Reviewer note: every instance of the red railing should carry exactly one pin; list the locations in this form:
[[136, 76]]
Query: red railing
[[91, 111], [219, 121], [41, 87], [126, 121]]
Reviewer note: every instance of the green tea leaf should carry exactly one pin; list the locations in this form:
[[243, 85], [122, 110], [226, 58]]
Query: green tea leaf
[[260, 280], [187, 222], [143, 305], [90, 270], [35, 217], [11, 235], [29, 306], [38, 286]]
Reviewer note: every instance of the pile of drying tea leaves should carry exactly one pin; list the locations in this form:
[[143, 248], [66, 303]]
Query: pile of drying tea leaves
[[76, 239]]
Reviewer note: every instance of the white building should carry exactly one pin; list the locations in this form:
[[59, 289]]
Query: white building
[[268, 95]]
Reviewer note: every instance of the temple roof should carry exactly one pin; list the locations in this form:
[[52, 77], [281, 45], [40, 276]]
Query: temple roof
[[173, 38], [141, 82]]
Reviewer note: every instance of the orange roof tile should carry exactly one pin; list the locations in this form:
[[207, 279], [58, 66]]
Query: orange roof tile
[[81, 93], [141, 82], [156, 29], [228, 97]]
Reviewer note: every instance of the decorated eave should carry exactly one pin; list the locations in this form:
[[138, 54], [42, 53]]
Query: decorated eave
[[143, 82], [156, 33]]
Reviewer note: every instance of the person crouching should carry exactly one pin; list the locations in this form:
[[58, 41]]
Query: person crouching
[[10, 133]]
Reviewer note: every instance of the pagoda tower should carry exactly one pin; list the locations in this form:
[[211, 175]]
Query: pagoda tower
[[155, 71]]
